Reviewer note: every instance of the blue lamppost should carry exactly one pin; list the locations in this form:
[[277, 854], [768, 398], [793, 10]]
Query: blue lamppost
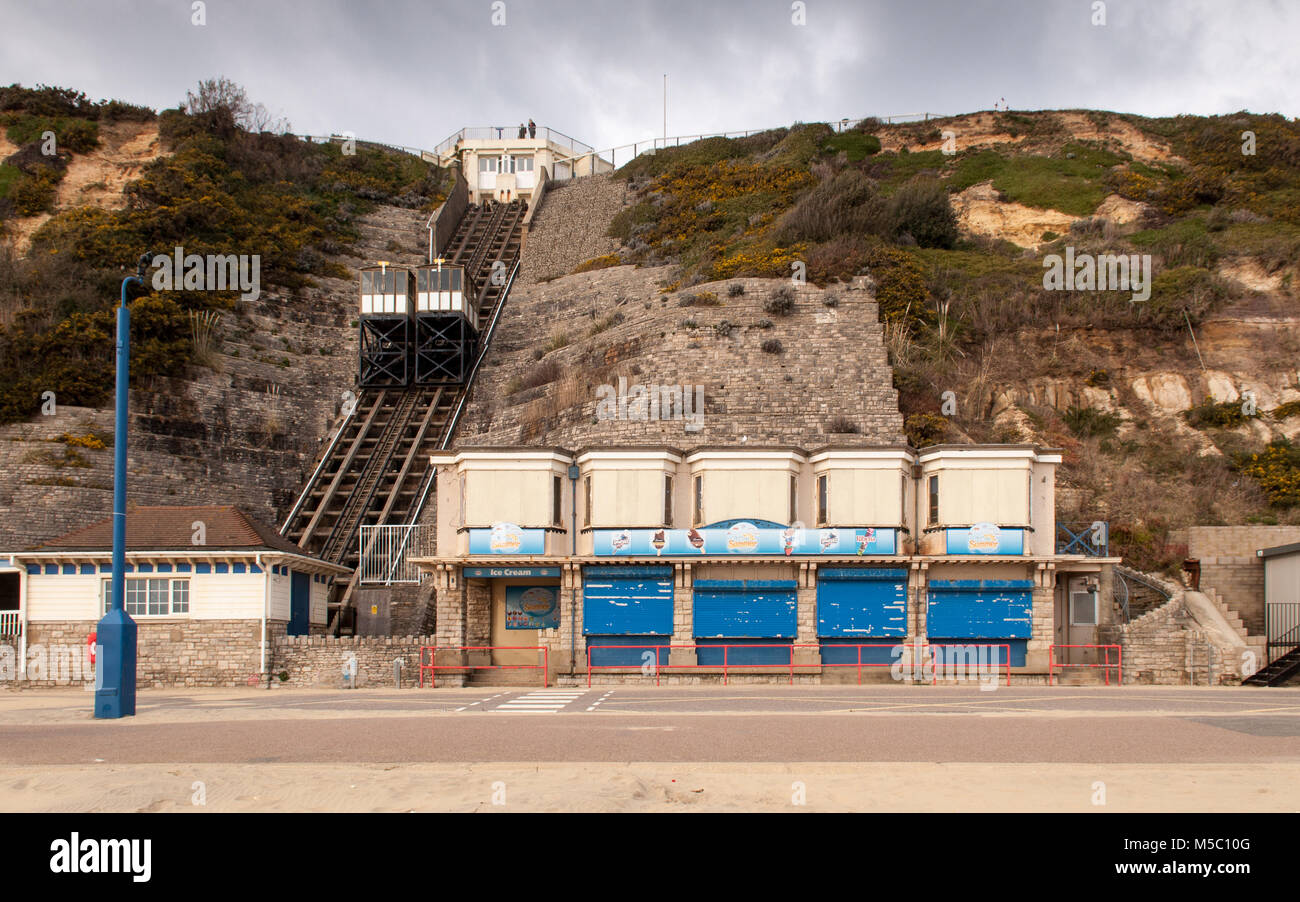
[[116, 634]]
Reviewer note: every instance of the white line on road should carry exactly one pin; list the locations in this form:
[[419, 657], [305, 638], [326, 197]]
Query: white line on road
[[540, 702]]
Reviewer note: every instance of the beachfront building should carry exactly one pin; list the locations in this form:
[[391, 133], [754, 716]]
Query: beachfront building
[[209, 587], [769, 562]]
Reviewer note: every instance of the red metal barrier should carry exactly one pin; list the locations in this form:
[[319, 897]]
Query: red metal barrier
[[934, 660], [726, 665], [1052, 663], [789, 665], [433, 666]]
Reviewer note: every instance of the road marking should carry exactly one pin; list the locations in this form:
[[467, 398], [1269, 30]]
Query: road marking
[[479, 702], [601, 699], [541, 701]]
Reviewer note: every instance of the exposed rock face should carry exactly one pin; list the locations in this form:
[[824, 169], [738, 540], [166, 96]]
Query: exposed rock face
[[246, 432], [1166, 391]]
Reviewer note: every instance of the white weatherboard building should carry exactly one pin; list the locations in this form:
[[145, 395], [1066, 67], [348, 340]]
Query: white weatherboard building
[[209, 588]]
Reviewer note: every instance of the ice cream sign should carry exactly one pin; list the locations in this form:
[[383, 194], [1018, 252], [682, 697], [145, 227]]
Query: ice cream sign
[[985, 538], [507, 538], [532, 607], [745, 537]]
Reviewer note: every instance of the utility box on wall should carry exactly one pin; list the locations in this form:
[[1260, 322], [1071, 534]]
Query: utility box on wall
[[374, 612]]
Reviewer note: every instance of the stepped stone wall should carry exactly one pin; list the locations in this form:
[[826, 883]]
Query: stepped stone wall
[[570, 227], [579, 333], [1229, 564], [1167, 647]]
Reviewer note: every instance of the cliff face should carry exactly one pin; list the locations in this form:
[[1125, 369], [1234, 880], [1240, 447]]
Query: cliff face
[[245, 429], [582, 339]]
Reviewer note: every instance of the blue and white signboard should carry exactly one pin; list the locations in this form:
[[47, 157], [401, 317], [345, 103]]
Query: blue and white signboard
[[507, 538], [744, 537], [986, 538], [532, 607], [511, 572]]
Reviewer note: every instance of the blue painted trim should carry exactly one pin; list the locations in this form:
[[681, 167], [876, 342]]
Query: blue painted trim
[[222, 568], [860, 573], [33, 569], [975, 585], [51, 569], [146, 568], [628, 657], [164, 568], [182, 568], [744, 585], [202, 568], [710, 655], [253, 568], [239, 568], [1018, 649], [633, 572], [87, 569]]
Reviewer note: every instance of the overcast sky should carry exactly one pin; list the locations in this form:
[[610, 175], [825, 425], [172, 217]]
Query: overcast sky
[[413, 71]]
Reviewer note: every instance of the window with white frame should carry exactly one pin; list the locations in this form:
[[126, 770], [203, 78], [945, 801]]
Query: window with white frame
[[150, 596]]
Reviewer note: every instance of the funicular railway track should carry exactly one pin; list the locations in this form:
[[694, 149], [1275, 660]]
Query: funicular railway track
[[375, 470]]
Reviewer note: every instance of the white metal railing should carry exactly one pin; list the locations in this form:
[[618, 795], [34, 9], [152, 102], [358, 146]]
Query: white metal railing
[[504, 132], [580, 151], [385, 552], [625, 153], [11, 623]]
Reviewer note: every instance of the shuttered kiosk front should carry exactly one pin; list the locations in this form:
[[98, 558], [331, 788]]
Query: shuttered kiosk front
[[627, 606], [861, 606], [744, 611], [981, 611]]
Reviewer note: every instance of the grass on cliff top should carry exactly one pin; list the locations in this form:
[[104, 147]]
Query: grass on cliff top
[[1074, 181]]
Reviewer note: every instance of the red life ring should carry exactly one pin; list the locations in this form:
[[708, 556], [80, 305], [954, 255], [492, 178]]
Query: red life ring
[[91, 642]]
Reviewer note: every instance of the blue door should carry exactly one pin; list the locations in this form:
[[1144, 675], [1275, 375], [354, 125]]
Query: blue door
[[299, 604]]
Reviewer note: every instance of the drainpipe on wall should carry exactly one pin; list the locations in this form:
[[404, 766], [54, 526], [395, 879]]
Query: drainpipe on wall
[[23, 606], [573, 552], [266, 601]]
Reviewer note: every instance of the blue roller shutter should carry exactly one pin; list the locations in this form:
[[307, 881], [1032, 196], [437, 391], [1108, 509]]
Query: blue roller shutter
[[985, 611], [745, 609], [980, 608], [861, 603], [627, 601]]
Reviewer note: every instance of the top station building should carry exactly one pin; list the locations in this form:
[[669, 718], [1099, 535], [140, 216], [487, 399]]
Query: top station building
[[509, 163]]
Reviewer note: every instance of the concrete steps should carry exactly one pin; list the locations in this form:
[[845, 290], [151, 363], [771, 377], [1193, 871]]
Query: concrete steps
[[1255, 643]]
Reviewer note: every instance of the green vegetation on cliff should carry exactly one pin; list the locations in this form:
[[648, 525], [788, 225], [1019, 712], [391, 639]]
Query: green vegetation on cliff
[[220, 190]]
